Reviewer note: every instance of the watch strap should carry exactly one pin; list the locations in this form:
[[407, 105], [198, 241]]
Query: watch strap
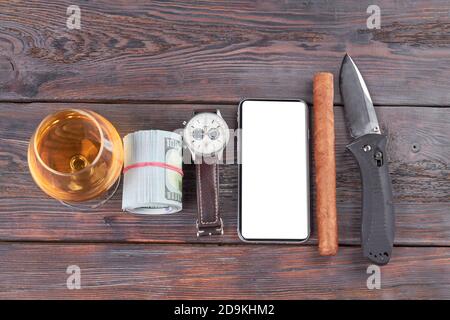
[[203, 110], [209, 221]]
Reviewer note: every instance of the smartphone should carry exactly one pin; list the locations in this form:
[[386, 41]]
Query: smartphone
[[274, 188]]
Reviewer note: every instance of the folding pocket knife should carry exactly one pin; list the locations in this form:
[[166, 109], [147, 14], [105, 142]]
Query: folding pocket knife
[[369, 149]]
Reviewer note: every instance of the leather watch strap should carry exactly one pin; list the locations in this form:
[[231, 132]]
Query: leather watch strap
[[203, 110], [209, 221]]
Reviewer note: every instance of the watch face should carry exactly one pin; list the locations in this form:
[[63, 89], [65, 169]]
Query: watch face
[[206, 133]]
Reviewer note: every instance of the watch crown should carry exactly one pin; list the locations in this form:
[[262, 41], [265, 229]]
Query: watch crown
[[184, 123]]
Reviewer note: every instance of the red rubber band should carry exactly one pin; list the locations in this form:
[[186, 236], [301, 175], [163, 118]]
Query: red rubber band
[[153, 164]]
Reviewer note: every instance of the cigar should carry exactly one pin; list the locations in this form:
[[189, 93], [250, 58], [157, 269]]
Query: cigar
[[325, 163]]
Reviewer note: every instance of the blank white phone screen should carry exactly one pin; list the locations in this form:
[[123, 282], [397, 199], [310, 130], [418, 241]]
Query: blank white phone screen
[[274, 186]]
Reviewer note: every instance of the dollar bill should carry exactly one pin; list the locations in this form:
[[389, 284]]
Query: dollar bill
[[174, 179], [152, 172]]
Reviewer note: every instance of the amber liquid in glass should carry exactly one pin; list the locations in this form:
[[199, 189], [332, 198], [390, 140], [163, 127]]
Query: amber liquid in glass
[[75, 155], [69, 145]]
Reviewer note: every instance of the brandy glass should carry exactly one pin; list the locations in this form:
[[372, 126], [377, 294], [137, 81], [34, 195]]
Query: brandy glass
[[76, 156]]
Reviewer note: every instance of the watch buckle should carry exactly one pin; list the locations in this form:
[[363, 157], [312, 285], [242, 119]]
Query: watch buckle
[[210, 231]]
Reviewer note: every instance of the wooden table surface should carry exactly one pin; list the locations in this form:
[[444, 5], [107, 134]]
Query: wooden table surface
[[147, 64]]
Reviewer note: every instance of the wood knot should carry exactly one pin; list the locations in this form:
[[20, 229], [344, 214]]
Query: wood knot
[[8, 71], [108, 221]]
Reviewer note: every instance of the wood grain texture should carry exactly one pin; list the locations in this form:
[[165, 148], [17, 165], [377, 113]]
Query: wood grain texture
[[221, 51], [419, 154], [117, 271]]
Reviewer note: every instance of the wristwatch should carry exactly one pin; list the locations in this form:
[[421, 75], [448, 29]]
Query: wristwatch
[[206, 134]]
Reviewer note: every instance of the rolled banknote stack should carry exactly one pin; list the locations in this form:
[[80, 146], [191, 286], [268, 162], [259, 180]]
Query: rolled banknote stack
[[152, 172]]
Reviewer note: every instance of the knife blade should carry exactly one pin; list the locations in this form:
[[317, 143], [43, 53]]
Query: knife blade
[[359, 111], [369, 150]]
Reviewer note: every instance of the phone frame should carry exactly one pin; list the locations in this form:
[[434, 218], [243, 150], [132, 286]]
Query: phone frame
[[308, 173]]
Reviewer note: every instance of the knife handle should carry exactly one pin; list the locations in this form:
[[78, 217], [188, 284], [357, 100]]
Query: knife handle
[[378, 223]]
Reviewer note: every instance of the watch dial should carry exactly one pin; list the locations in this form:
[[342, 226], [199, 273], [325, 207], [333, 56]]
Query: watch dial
[[206, 133]]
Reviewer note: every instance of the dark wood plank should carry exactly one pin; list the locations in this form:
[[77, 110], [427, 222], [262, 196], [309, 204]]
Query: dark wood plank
[[222, 50], [231, 272], [420, 180]]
